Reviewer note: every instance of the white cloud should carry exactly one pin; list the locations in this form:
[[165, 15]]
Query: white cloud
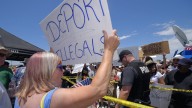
[[126, 36], [123, 37], [165, 25], [166, 32], [166, 29]]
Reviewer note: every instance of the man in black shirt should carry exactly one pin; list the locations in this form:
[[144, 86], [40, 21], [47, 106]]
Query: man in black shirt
[[181, 79], [135, 79]]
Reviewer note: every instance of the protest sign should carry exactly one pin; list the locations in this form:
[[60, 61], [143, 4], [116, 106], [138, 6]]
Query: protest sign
[[74, 30], [140, 53], [160, 98], [77, 68], [156, 48]]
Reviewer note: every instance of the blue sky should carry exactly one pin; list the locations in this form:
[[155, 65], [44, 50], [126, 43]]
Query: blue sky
[[138, 22]]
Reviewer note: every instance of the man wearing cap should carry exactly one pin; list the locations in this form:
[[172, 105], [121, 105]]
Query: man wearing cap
[[135, 79], [181, 79], [174, 64], [5, 73], [5, 76]]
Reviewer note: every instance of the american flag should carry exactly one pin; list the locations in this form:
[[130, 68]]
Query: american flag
[[84, 82]]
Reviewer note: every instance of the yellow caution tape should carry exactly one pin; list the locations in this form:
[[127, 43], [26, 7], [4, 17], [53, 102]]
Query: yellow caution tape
[[171, 89], [71, 77], [75, 77], [126, 103], [119, 101], [68, 80], [113, 81]]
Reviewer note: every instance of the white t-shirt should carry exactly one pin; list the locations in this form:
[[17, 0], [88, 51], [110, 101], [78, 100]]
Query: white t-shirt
[[119, 74], [118, 90], [156, 77], [170, 68], [4, 98]]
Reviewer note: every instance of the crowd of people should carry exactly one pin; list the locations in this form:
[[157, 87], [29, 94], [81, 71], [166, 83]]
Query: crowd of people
[[39, 83], [137, 75]]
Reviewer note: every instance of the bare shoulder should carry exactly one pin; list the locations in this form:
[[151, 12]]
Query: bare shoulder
[[67, 97], [33, 101]]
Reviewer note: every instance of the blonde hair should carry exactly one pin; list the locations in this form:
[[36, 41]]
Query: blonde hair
[[38, 74]]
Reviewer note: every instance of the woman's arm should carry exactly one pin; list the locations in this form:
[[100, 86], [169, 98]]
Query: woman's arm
[[82, 97], [101, 80]]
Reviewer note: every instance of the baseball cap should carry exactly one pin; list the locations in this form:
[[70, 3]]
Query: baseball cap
[[185, 61], [178, 57], [122, 53]]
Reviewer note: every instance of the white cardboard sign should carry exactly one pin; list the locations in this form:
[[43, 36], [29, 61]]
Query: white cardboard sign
[[74, 30], [77, 68]]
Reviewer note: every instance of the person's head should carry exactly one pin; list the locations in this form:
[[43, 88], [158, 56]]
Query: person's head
[[184, 65], [151, 65], [43, 72], [176, 59], [3, 54], [126, 57], [69, 68], [64, 67]]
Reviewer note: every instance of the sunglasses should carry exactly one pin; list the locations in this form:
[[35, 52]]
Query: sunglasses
[[60, 67], [2, 55]]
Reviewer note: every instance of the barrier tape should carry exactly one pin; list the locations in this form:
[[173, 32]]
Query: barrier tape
[[113, 81], [126, 103], [151, 87], [71, 77], [64, 77], [75, 77], [119, 101], [171, 89]]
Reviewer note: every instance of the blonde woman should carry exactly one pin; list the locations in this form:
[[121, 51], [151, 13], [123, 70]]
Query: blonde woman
[[43, 76]]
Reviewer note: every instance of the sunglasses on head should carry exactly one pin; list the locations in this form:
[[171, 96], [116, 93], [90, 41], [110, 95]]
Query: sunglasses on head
[[2, 55], [60, 67]]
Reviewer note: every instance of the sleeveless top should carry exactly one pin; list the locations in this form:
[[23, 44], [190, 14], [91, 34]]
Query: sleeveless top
[[45, 101]]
